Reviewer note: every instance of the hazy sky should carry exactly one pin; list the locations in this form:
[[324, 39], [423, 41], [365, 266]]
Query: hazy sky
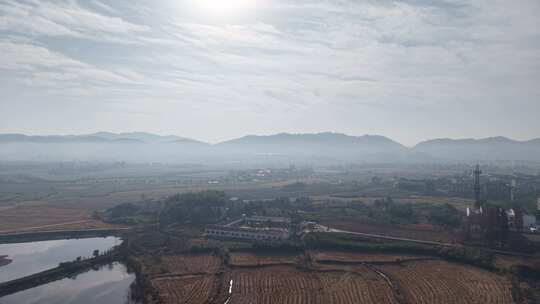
[[214, 70]]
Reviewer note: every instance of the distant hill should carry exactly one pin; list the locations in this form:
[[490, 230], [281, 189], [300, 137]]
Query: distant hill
[[491, 148], [145, 137], [336, 146], [21, 138], [326, 140], [100, 137], [102, 146], [313, 148]]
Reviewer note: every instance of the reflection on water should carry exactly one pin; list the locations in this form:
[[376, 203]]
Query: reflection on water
[[108, 285], [30, 258]]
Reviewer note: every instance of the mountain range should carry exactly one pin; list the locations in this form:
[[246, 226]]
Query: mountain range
[[491, 148], [141, 146], [99, 137]]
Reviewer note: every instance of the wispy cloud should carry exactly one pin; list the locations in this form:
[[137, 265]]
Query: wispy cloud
[[64, 18], [385, 61]]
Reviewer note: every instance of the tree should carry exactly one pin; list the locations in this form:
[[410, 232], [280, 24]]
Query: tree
[[199, 208]]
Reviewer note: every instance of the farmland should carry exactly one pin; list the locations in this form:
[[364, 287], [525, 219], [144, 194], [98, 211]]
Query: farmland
[[192, 263], [281, 284], [183, 264], [178, 263], [443, 282], [251, 259], [47, 196], [47, 218], [184, 278], [331, 277], [190, 289], [353, 257]]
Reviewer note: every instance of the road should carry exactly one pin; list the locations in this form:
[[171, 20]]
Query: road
[[392, 238]]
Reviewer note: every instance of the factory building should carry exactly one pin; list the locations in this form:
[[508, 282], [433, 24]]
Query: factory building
[[256, 228], [219, 231]]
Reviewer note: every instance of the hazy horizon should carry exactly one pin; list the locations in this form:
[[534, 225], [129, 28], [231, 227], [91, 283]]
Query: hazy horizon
[[269, 134], [410, 70]]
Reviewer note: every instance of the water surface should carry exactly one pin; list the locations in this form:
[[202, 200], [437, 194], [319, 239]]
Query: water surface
[[33, 257], [108, 285]]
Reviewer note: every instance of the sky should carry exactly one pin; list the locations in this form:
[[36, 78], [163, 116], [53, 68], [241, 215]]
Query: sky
[[219, 69]]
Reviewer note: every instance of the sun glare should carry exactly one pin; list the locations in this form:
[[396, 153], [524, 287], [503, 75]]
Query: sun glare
[[225, 7]]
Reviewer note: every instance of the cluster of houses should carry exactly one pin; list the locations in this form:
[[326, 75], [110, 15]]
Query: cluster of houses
[[481, 217], [517, 219]]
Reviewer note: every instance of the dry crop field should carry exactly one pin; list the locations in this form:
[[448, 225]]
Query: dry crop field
[[186, 264], [251, 259], [351, 280], [180, 264], [443, 282], [284, 284], [184, 278], [188, 289], [354, 257], [46, 218]]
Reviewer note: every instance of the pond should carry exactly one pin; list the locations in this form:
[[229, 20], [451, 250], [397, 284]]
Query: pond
[[107, 285], [28, 258]]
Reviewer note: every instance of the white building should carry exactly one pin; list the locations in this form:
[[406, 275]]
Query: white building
[[269, 221], [254, 234]]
